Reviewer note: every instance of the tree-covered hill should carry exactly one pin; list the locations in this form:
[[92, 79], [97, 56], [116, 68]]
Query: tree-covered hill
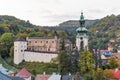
[[75, 23], [15, 25], [108, 24], [106, 29], [70, 25]]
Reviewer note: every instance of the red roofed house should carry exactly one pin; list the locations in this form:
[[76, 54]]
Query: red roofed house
[[42, 77], [116, 74], [23, 73]]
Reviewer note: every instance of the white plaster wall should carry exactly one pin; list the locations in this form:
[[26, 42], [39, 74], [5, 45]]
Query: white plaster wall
[[19, 47], [85, 40], [85, 43], [78, 43], [38, 57]]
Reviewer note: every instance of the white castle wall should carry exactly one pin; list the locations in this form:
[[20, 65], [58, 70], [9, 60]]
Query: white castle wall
[[20, 54], [38, 57]]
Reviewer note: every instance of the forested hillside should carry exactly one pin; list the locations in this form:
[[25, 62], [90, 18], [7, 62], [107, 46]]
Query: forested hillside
[[15, 25], [104, 30], [108, 24], [71, 25]]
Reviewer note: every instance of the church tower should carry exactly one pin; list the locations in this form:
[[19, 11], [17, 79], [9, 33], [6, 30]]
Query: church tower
[[82, 38]]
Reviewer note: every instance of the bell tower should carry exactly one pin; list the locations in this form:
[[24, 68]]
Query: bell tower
[[82, 37]]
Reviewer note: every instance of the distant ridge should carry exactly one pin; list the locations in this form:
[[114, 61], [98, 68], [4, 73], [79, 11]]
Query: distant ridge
[[75, 23], [71, 25]]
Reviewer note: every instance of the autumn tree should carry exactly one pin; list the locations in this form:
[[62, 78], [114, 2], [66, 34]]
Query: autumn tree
[[24, 35], [86, 62], [98, 75], [113, 63], [108, 74]]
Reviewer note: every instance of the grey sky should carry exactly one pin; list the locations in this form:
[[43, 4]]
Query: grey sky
[[53, 12]]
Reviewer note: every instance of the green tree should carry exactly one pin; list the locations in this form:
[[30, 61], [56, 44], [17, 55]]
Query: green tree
[[98, 75], [63, 62], [24, 35], [113, 63], [12, 52], [86, 62], [6, 41], [1, 30], [62, 34]]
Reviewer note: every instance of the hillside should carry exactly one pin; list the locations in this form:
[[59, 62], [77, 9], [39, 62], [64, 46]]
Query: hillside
[[70, 25], [108, 24], [106, 29], [75, 23], [14, 25]]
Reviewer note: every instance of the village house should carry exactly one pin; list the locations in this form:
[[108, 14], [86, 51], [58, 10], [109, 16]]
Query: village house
[[23, 73], [42, 77]]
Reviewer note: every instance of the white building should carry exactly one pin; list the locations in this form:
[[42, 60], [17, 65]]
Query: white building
[[82, 38], [23, 73], [21, 53], [37, 49]]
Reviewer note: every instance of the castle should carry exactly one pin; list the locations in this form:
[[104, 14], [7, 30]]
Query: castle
[[37, 49], [43, 49]]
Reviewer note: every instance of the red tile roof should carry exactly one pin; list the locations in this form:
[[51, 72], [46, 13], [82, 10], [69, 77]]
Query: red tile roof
[[23, 73], [42, 77], [116, 73], [110, 46], [104, 51]]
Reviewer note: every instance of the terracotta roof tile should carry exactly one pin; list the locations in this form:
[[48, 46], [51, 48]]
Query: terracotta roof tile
[[23, 73], [42, 77]]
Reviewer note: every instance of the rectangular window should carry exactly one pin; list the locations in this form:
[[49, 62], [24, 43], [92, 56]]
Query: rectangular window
[[46, 41]]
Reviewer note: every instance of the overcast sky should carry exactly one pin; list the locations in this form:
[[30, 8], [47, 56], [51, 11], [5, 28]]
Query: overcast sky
[[53, 12]]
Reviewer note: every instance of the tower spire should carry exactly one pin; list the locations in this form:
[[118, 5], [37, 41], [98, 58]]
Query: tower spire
[[82, 21], [82, 37], [81, 17]]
